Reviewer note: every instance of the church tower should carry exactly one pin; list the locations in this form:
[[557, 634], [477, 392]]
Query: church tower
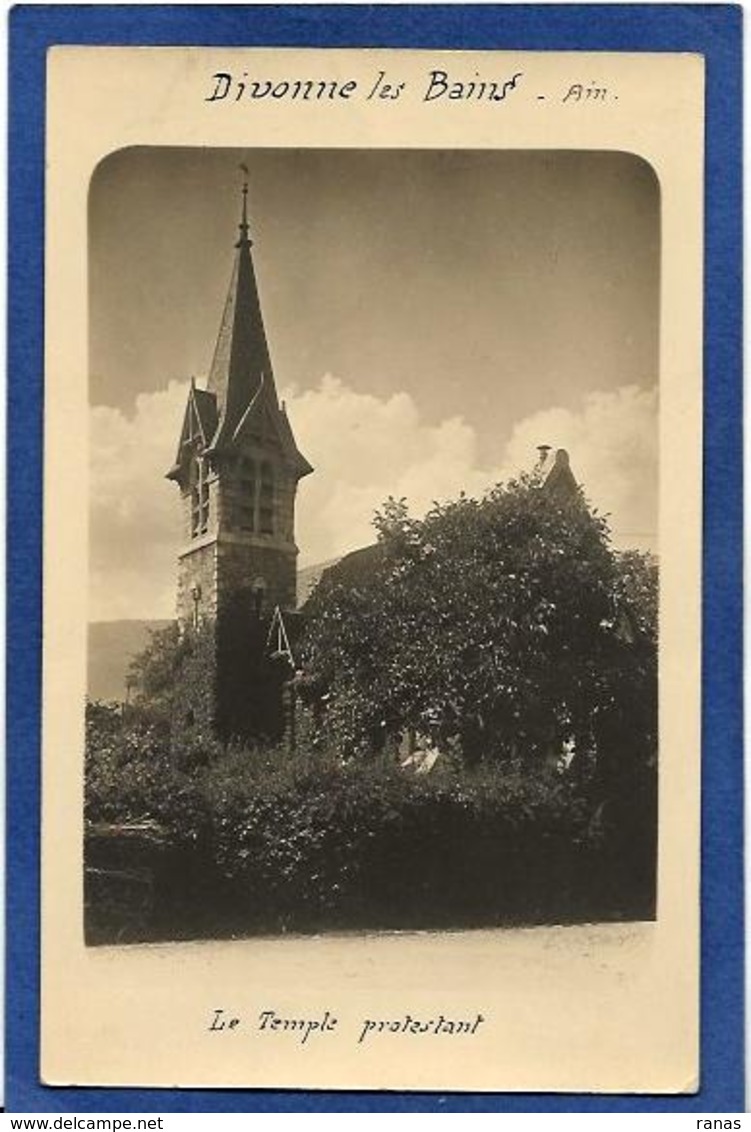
[[237, 468]]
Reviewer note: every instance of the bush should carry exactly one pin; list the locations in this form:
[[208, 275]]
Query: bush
[[130, 774], [268, 841]]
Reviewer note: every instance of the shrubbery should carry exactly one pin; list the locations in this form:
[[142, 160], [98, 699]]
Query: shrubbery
[[130, 773], [268, 841]]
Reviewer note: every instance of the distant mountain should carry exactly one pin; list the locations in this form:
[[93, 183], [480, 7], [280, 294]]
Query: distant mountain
[[112, 646], [308, 578]]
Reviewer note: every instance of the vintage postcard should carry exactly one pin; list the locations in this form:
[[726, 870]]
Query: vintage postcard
[[373, 449]]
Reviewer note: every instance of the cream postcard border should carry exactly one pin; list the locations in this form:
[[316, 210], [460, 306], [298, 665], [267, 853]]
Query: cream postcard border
[[611, 1008]]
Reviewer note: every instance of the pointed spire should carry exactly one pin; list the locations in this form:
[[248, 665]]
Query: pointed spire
[[244, 216], [240, 393], [241, 357], [241, 378]]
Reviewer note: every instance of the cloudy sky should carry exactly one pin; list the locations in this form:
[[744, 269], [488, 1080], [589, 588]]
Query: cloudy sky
[[432, 318]]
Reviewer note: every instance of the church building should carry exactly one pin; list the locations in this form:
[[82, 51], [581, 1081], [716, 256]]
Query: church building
[[237, 468]]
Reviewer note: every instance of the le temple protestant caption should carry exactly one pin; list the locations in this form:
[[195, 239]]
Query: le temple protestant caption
[[302, 1029], [437, 86]]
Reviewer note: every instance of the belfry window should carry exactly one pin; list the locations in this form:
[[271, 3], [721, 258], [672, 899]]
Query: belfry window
[[199, 500], [250, 491], [195, 512], [266, 500]]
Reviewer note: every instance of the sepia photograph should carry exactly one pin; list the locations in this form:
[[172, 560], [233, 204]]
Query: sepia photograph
[[374, 452], [373, 541], [372, 668]]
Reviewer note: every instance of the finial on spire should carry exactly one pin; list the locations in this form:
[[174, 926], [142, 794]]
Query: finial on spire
[[244, 220]]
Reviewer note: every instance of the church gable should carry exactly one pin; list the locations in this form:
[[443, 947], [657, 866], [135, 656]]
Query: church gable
[[264, 427], [196, 434], [257, 424], [204, 409], [556, 474]]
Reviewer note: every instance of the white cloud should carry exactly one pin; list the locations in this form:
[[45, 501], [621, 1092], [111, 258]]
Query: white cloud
[[363, 449], [613, 445], [134, 516]]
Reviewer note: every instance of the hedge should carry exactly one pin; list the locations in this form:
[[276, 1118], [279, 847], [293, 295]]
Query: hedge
[[267, 841]]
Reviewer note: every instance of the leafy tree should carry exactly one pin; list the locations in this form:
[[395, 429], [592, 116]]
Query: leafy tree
[[153, 673], [126, 763], [626, 700], [637, 590], [492, 625]]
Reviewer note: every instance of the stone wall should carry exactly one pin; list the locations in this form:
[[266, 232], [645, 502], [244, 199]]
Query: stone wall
[[197, 573], [228, 685], [230, 581], [244, 566]]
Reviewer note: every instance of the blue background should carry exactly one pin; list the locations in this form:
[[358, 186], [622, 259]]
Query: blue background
[[711, 30]]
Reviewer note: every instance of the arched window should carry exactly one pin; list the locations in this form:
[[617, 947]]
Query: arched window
[[199, 498], [204, 491], [266, 500], [195, 512]]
